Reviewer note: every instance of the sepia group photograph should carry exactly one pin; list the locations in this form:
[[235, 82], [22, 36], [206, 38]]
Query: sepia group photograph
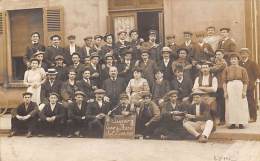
[[129, 80]]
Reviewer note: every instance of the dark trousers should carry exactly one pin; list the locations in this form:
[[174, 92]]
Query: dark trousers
[[50, 128], [145, 130], [251, 104], [28, 125], [96, 128], [74, 125], [220, 104]]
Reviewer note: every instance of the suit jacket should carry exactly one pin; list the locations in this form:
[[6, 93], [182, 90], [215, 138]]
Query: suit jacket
[[155, 53], [167, 109], [46, 89], [62, 73], [74, 113], [32, 110], [253, 72], [174, 47], [153, 109], [93, 109], [58, 112], [136, 54], [84, 52], [227, 45], [184, 88], [200, 54], [166, 69], [68, 54], [204, 112], [120, 48], [51, 52], [160, 89], [97, 80], [68, 90], [114, 89], [126, 72], [86, 88], [30, 50], [120, 108], [79, 70], [148, 70], [191, 50]]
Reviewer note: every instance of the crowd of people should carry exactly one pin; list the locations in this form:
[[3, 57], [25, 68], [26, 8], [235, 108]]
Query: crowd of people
[[176, 91]]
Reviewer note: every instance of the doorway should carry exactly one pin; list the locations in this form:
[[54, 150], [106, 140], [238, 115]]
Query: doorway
[[22, 24], [147, 21]]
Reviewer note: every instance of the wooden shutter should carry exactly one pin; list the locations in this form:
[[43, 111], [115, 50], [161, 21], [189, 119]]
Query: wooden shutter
[[2, 46], [53, 20]]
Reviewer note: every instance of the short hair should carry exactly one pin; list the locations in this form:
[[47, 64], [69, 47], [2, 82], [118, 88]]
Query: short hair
[[36, 33], [75, 53]]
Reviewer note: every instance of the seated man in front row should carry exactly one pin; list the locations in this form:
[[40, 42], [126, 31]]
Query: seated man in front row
[[52, 117], [172, 115], [77, 116], [198, 121], [123, 108], [24, 117], [96, 113]]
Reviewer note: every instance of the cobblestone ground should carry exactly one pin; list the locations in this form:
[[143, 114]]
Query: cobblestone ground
[[85, 149]]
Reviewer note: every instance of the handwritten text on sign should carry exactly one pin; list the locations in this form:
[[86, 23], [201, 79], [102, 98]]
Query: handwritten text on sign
[[120, 127]]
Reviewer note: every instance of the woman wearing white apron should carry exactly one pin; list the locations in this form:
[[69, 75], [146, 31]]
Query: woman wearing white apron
[[235, 80], [33, 78]]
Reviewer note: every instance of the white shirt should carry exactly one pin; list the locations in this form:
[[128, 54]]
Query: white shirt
[[205, 82], [187, 43], [52, 106], [173, 106], [87, 49], [72, 48], [212, 40], [100, 103], [166, 61], [197, 110], [180, 80], [79, 105]]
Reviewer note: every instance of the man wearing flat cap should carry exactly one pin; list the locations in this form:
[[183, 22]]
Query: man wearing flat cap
[[97, 44], [77, 65], [54, 50], [172, 116], [95, 69], [77, 122], [171, 43], [189, 44], [85, 50], [198, 121], [61, 68], [121, 45], [24, 117], [204, 51], [135, 44], [96, 113], [155, 49], [33, 48], [253, 74], [71, 48], [51, 84], [52, 117], [40, 56], [148, 116], [123, 107], [226, 42], [165, 65], [108, 47]]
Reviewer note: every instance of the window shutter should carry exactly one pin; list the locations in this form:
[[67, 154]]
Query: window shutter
[[2, 46], [53, 19]]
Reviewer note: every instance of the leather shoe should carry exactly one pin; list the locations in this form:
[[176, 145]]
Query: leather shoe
[[203, 139]]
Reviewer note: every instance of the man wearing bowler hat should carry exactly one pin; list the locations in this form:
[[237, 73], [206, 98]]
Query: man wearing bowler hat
[[77, 122], [52, 117], [96, 113], [24, 117], [226, 42]]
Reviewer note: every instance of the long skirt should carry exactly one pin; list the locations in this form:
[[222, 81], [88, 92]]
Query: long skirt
[[236, 106]]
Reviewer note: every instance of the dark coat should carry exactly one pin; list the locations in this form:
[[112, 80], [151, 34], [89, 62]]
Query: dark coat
[[184, 88], [93, 109], [32, 110], [191, 50], [114, 89], [30, 50], [120, 48], [84, 52], [68, 90], [160, 89], [51, 52], [166, 69], [62, 73], [88, 89], [125, 72], [155, 53], [174, 47], [227, 45], [96, 80], [204, 112], [79, 70], [46, 89], [201, 54], [68, 54], [148, 70], [136, 52], [58, 112], [74, 113]]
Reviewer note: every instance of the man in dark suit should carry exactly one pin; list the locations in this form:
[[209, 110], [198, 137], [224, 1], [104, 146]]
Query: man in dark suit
[[33, 48], [155, 49], [123, 107], [204, 51], [76, 65], [171, 43], [226, 42], [95, 69], [125, 68], [71, 48], [189, 45], [24, 117], [114, 86], [52, 84], [52, 117], [108, 47], [54, 50], [253, 74], [96, 113], [172, 116], [198, 121], [86, 85], [165, 65], [121, 45], [109, 62], [97, 44], [61, 68], [135, 44], [85, 50], [77, 123]]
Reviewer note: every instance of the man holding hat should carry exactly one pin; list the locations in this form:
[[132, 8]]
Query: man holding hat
[[85, 50], [33, 48], [96, 113], [165, 65], [77, 122], [51, 84], [54, 50], [253, 74], [198, 121], [226, 42], [52, 117], [24, 117], [71, 48], [148, 116]]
